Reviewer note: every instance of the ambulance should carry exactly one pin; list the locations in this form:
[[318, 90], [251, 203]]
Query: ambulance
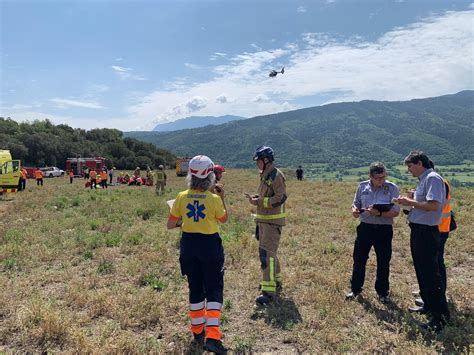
[[10, 172]]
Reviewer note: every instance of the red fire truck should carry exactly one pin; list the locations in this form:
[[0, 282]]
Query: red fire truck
[[77, 165]]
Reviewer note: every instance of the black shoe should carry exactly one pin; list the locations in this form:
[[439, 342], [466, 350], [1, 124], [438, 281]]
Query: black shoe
[[352, 295], [419, 302], [199, 338], [279, 287], [417, 309], [434, 326], [215, 346], [383, 299], [264, 298]]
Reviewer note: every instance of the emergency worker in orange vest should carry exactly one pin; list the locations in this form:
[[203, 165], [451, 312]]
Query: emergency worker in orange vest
[[23, 177], [444, 229], [270, 219], [103, 178], [71, 176], [198, 212], [93, 178], [39, 177]]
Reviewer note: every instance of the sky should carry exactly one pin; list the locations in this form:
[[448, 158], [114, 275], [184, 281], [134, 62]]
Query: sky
[[130, 65]]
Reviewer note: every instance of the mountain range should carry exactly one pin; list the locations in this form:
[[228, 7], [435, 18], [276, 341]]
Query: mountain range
[[348, 134], [195, 122]]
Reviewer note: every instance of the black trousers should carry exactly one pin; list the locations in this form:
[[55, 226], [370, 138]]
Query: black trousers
[[443, 237], [380, 237], [22, 185], [424, 243], [39, 181], [201, 259]]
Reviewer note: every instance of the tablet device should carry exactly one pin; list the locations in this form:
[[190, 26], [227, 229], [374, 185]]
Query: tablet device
[[383, 207]]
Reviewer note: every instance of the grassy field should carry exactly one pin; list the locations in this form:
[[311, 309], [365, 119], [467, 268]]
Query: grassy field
[[463, 174], [97, 271]]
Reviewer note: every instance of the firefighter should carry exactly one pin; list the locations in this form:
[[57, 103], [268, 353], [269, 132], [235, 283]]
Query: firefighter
[[71, 176], [39, 177], [149, 176], [137, 172], [160, 180], [270, 219], [218, 171], [198, 212], [93, 178], [103, 178]]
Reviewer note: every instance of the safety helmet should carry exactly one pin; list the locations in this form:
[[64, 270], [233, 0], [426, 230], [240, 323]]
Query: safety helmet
[[201, 166], [219, 168], [263, 152], [161, 167]]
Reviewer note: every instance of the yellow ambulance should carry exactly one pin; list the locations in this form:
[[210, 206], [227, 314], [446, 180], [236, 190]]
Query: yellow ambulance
[[10, 172]]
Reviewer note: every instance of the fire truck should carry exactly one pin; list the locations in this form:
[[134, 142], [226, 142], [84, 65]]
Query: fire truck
[[77, 165], [182, 165]]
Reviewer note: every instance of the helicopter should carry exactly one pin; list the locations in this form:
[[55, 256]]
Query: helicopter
[[274, 73]]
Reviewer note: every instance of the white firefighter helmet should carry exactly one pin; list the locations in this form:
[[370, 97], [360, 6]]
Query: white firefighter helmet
[[201, 166]]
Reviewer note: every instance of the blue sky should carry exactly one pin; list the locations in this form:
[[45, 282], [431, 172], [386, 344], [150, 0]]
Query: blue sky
[[133, 64]]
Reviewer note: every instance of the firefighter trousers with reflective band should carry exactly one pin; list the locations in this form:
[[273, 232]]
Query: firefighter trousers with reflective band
[[202, 261], [269, 240]]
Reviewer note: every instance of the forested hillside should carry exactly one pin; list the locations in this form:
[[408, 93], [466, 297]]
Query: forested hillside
[[43, 144], [344, 134]]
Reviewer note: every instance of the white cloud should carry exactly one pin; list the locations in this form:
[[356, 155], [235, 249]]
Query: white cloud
[[64, 103], [192, 66], [222, 99], [217, 55], [253, 45], [125, 73], [261, 98], [301, 9], [195, 104]]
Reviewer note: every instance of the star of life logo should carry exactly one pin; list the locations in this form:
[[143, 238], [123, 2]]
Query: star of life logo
[[196, 211]]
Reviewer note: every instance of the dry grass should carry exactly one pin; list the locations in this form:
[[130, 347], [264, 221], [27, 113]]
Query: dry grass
[[97, 271]]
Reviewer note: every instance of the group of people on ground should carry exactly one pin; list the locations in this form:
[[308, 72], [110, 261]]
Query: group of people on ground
[[376, 203], [199, 209]]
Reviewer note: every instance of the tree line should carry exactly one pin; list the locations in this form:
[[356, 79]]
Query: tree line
[[41, 143]]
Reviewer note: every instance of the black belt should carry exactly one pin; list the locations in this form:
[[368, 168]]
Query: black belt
[[421, 226], [375, 226]]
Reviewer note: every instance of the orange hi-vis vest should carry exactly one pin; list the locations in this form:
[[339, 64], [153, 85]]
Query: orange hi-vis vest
[[443, 227], [38, 174], [103, 175], [93, 174]]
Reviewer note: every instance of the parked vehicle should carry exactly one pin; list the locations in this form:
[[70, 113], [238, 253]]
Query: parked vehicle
[[10, 171], [182, 165], [52, 171], [77, 165]]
